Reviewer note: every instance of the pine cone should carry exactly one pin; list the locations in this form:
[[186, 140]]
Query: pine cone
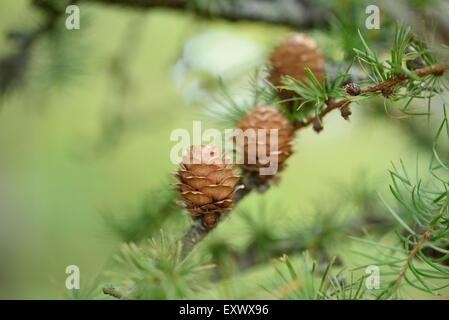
[[291, 56], [263, 117], [206, 183]]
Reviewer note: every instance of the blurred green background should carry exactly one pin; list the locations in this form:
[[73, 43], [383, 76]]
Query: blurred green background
[[88, 134]]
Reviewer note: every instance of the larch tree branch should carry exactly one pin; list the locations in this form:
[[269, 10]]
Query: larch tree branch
[[293, 13], [198, 232], [385, 87], [417, 247], [314, 238], [13, 66]]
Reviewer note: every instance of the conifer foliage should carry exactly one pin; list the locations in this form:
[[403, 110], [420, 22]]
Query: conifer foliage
[[418, 259], [172, 248]]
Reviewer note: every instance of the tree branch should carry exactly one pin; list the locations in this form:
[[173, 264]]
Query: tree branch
[[424, 237], [293, 13], [13, 66], [198, 231], [384, 87], [314, 238]]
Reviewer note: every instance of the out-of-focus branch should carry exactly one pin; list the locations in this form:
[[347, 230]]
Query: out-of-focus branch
[[423, 19], [293, 13], [13, 66], [316, 239], [119, 100]]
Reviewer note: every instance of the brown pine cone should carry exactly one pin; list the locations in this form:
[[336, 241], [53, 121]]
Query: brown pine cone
[[207, 183], [291, 56], [263, 117]]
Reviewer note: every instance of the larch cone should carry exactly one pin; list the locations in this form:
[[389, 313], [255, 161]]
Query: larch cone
[[291, 56], [207, 183], [263, 117]]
